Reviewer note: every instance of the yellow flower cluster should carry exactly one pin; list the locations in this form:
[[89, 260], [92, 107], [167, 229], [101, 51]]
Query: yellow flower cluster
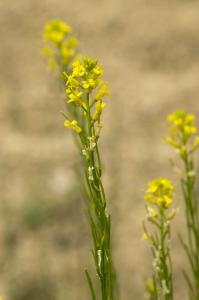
[[181, 129], [62, 45], [85, 88], [159, 193]]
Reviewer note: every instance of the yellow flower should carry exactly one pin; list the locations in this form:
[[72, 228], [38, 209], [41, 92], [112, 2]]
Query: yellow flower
[[76, 97], [103, 91], [189, 129], [71, 82], [165, 201], [89, 84], [98, 110], [97, 71], [73, 125], [78, 69]]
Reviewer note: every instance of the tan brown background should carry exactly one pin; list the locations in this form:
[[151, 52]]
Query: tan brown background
[[150, 51]]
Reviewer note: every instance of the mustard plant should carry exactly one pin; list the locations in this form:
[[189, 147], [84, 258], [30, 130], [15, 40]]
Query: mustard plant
[[85, 92], [159, 198], [182, 137]]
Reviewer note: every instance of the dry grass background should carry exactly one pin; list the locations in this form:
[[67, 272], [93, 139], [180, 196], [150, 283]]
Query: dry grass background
[[150, 51]]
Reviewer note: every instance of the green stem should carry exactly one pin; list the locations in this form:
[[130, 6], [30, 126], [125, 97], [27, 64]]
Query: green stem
[[100, 221], [191, 212], [164, 256]]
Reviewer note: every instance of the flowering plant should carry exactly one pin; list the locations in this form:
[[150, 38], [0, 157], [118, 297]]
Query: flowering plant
[[182, 137], [159, 197]]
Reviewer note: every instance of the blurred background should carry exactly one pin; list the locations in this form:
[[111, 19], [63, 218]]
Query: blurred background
[[150, 52]]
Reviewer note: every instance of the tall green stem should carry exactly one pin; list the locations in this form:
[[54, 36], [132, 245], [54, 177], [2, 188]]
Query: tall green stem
[[99, 219]]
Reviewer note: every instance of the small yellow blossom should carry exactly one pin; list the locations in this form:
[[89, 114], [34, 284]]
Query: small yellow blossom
[[73, 125], [98, 110], [78, 69], [89, 84], [97, 71], [76, 97], [71, 82], [165, 201], [103, 91]]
